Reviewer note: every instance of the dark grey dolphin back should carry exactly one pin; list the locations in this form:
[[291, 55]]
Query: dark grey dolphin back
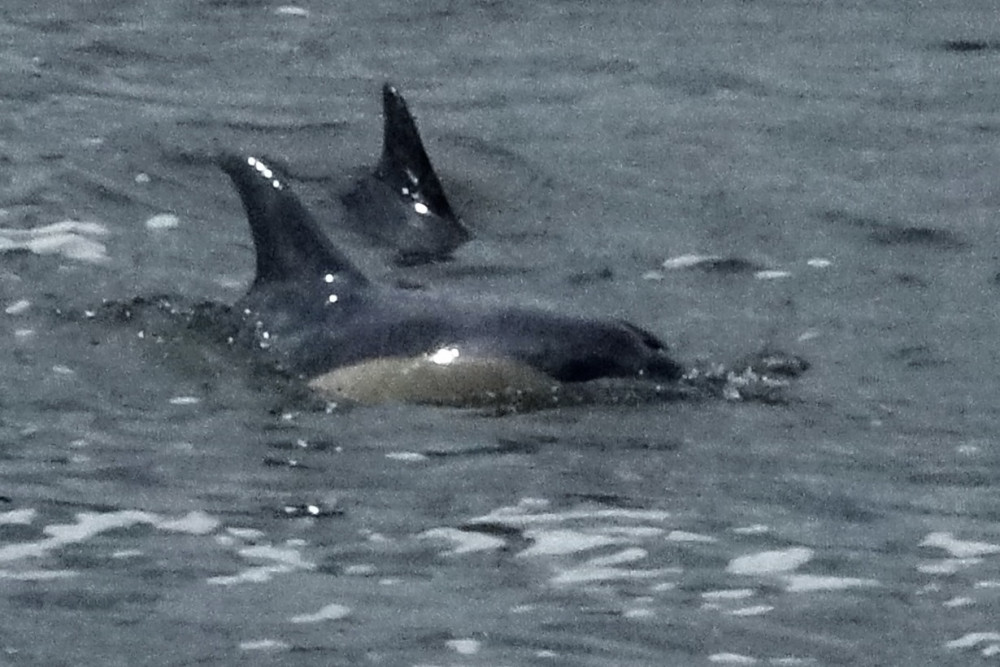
[[404, 165], [401, 203], [288, 242]]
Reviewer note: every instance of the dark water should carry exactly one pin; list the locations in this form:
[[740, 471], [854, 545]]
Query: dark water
[[161, 505]]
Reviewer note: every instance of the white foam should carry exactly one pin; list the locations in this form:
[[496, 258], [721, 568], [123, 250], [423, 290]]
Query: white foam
[[185, 400], [958, 602], [36, 575], [732, 659], [754, 529], [285, 555], [291, 10], [248, 534], [284, 560], [263, 645], [683, 536], [465, 541], [602, 568], [624, 556], [948, 565], [729, 594], [687, 261], [807, 583], [68, 238], [464, 646], [163, 221], [56, 228], [21, 517], [772, 274], [88, 524], [330, 612], [972, 639], [516, 517], [588, 574], [193, 523], [17, 307], [770, 562], [959, 548], [409, 457], [558, 542], [251, 575]]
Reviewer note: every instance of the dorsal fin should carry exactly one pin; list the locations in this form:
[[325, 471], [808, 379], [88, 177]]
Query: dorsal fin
[[404, 164], [288, 241]]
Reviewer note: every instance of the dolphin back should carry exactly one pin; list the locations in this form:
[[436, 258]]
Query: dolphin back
[[401, 202], [287, 240]]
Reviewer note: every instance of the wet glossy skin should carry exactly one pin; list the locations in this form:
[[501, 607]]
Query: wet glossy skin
[[312, 311], [402, 203]]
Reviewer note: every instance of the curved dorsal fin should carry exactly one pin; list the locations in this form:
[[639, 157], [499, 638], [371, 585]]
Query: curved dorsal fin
[[289, 243], [404, 164]]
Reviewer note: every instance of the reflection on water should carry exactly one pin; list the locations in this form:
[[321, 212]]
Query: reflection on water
[[633, 564]]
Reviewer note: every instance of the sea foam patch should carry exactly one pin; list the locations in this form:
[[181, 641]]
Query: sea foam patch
[[959, 548], [330, 612], [72, 239], [277, 560], [17, 307], [21, 517], [523, 515], [465, 541], [615, 567], [807, 583], [163, 221], [770, 562], [973, 639], [90, 524], [559, 542]]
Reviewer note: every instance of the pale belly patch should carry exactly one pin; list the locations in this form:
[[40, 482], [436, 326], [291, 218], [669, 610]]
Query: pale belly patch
[[469, 382]]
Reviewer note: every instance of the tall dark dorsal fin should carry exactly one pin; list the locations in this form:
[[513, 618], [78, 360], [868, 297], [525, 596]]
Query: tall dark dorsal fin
[[289, 243], [404, 165]]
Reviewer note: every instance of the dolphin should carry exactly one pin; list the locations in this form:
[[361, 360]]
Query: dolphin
[[313, 314], [401, 203]]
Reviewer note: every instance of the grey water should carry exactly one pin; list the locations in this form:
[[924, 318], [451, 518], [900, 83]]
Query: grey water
[[161, 504]]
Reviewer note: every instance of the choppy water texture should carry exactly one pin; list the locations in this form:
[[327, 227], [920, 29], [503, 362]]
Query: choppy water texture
[[161, 504]]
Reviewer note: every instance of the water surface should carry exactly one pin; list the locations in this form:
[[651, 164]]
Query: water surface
[[161, 504]]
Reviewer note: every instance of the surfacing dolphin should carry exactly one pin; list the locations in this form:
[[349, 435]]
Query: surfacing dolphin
[[318, 317], [401, 203]]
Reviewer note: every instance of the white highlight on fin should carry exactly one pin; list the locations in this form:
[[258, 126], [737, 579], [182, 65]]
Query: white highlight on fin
[[264, 171]]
